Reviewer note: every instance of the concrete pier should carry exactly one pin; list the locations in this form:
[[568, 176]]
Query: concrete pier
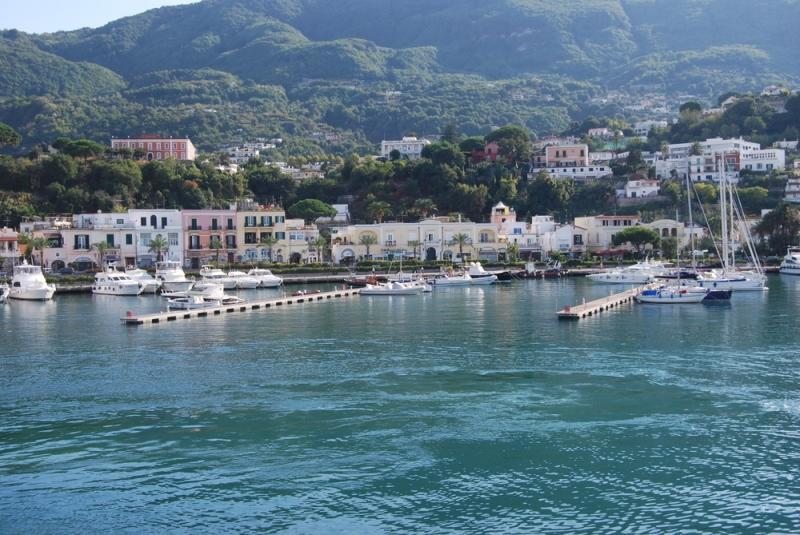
[[247, 306], [592, 308]]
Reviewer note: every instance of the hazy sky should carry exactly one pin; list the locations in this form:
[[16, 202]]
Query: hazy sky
[[54, 15]]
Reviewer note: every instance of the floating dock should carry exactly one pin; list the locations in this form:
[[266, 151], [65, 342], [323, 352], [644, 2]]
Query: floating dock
[[603, 304], [247, 306]]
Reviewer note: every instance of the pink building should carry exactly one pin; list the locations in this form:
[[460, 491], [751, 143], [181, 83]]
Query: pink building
[[201, 228], [567, 156], [158, 148]]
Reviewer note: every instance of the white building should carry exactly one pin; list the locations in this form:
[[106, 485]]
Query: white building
[[158, 148], [9, 248], [637, 189], [153, 223], [600, 230], [792, 190], [408, 147], [787, 145], [242, 155], [579, 174], [764, 160], [643, 128], [600, 132]]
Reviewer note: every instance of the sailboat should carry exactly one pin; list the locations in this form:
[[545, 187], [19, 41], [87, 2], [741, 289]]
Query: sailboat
[[730, 277]]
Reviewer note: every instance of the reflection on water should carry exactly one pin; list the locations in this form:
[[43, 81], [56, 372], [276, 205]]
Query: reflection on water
[[465, 410]]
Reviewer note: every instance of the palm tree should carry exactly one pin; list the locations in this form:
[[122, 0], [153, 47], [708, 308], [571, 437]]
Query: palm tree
[[513, 252], [377, 210], [415, 244], [102, 248], [780, 227], [159, 246], [367, 240], [461, 240], [319, 244], [269, 242], [424, 207], [39, 244], [216, 244]]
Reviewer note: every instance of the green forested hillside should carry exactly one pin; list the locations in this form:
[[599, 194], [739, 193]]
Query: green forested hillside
[[364, 69]]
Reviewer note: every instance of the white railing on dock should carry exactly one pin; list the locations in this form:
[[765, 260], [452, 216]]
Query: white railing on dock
[[247, 306]]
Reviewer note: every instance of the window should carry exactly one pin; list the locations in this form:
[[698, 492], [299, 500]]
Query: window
[[163, 222], [194, 224], [280, 219], [250, 221], [81, 242], [230, 241], [280, 235], [250, 238], [128, 239], [616, 222], [194, 242], [605, 223], [153, 221], [627, 222], [266, 220], [485, 237], [429, 237], [214, 224], [143, 222], [230, 224], [110, 240], [172, 238], [577, 239], [145, 239], [517, 231], [120, 221]]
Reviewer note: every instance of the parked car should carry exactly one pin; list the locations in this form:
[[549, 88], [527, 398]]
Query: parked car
[[66, 271]]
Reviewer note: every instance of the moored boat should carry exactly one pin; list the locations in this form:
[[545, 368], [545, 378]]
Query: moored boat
[[113, 282], [791, 262], [148, 284], [171, 276], [243, 280], [392, 288], [212, 274], [476, 271], [28, 283], [4, 291], [265, 278], [452, 280], [670, 295]]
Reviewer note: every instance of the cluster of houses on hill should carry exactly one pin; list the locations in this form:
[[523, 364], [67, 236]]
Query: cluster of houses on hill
[[249, 233]]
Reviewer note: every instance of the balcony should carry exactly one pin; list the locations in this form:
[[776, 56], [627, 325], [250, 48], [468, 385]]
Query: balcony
[[194, 227], [390, 243]]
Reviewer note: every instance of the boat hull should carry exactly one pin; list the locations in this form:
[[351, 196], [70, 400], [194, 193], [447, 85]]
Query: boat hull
[[127, 290], [177, 286], [32, 294]]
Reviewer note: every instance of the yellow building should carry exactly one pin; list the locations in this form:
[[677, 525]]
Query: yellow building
[[254, 223], [431, 239]]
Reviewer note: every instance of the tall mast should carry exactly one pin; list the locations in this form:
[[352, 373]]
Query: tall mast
[[723, 211], [691, 224], [733, 222]]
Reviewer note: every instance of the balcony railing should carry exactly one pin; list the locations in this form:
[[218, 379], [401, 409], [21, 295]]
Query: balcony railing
[[390, 243], [195, 227]]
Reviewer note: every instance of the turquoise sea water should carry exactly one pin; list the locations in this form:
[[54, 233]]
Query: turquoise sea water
[[471, 410]]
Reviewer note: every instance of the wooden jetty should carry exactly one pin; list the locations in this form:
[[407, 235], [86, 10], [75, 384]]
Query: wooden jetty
[[603, 304], [247, 306]]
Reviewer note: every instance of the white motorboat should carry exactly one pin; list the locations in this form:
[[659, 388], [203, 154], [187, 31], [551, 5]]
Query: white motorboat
[[671, 295], [453, 280], [737, 281], [639, 273], [476, 271], [484, 280], [4, 291], [211, 290], [392, 288], [148, 284], [265, 278], [171, 276], [113, 282], [194, 302], [28, 283], [791, 262], [243, 280], [212, 274]]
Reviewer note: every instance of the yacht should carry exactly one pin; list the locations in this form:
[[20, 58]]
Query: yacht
[[476, 271], [212, 274], [243, 280], [4, 291], [171, 276], [211, 290], [639, 273], [453, 280], [791, 262], [671, 295], [737, 281], [28, 283], [265, 278], [148, 284], [392, 288], [113, 282]]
